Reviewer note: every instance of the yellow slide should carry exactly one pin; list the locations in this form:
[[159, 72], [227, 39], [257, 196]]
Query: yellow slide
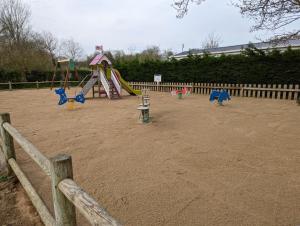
[[126, 86]]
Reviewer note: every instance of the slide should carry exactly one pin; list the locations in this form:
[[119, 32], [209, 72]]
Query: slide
[[127, 87], [89, 84]]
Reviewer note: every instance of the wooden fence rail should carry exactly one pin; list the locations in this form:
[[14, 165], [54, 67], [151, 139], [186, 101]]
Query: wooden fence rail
[[37, 84], [276, 91], [37, 202], [29, 148], [92, 211], [66, 194]]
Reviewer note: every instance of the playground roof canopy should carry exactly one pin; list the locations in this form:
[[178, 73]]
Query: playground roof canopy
[[63, 60], [98, 59]]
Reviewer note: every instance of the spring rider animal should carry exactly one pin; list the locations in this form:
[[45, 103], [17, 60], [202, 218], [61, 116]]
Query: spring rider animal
[[64, 99], [220, 96]]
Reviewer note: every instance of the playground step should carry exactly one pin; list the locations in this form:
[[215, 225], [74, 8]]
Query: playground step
[[113, 91]]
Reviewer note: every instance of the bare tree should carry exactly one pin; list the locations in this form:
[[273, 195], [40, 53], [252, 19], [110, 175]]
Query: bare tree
[[150, 54], [181, 6], [14, 20], [118, 54], [14, 34], [50, 44], [21, 49], [212, 41], [71, 49], [272, 15]]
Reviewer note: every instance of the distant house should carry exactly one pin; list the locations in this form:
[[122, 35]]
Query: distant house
[[237, 49]]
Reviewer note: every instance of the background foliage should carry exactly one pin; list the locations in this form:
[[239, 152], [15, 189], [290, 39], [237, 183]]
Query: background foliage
[[252, 66]]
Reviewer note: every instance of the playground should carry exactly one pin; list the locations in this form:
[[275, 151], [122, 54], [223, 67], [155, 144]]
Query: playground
[[195, 163]]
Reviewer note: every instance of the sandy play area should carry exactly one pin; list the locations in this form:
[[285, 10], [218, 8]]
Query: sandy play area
[[196, 164]]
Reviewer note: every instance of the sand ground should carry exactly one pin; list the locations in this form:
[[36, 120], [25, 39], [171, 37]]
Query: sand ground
[[196, 163], [15, 207]]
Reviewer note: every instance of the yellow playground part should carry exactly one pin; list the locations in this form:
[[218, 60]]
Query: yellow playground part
[[126, 86], [71, 104]]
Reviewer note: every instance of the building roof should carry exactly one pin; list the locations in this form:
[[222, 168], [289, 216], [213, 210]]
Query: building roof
[[238, 48]]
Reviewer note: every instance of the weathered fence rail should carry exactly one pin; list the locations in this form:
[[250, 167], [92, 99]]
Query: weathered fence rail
[[272, 91], [35, 85], [276, 91], [66, 194]]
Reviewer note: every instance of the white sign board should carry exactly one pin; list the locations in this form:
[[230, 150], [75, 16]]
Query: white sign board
[[157, 78]]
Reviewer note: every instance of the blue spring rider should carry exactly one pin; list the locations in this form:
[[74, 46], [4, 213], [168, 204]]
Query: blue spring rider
[[64, 99], [220, 96]]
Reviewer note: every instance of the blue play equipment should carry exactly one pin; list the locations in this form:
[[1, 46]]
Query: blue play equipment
[[221, 96], [64, 99], [80, 98], [62, 96]]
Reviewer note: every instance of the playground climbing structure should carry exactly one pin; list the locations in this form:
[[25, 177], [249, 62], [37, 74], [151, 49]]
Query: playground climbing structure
[[107, 81]]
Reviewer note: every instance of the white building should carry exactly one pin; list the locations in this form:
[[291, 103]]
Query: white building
[[237, 49]]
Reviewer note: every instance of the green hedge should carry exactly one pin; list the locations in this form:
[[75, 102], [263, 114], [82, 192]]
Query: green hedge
[[13, 76], [33, 85], [251, 67], [6, 76]]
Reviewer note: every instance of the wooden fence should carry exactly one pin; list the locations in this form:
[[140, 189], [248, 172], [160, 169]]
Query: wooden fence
[[66, 194], [289, 92], [275, 91], [37, 84]]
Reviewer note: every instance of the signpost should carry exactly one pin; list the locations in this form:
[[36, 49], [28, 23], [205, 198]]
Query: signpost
[[157, 79]]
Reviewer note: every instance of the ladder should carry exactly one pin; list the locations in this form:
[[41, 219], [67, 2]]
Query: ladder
[[114, 94], [116, 83]]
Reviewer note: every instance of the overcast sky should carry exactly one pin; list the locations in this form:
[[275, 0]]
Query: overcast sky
[[133, 25]]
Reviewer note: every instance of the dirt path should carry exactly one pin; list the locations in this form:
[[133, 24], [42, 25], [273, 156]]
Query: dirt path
[[195, 164]]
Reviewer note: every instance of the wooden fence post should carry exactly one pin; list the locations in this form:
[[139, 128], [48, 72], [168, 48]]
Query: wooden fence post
[[269, 92], [263, 93], [279, 92], [227, 86], [259, 91], [297, 94], [192, 88], [254, 92], [284, 93], [249, 92], [61, 168], [7, 143], [242, 90], [290, 94], [9, 85], [37, 85], [273, 93]]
